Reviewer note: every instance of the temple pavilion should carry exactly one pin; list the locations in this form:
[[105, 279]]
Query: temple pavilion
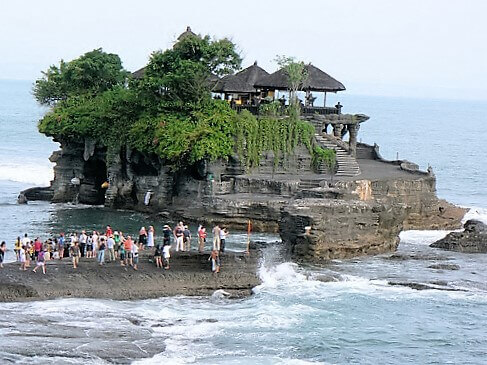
[[249, 88]]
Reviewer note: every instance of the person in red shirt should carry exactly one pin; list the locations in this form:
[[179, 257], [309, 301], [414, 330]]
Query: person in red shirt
[[127, 246], [201, 238], [109, 231], [37, 247]]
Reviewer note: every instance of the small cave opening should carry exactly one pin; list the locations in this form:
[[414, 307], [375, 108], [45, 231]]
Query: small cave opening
[[142, 168], [91, 189]]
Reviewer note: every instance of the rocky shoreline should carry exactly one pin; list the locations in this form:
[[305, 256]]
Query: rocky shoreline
[[346, 216], [190, 275], [473, 239]]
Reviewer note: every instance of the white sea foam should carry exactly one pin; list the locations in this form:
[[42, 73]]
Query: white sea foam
[[39, 174], [420, 237], [479, 214]]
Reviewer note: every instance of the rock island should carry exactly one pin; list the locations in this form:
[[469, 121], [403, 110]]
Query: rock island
[[191, 135]]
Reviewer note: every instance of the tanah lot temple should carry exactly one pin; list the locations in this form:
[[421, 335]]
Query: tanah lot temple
[[358, 208], [253, 86], [249, 88]]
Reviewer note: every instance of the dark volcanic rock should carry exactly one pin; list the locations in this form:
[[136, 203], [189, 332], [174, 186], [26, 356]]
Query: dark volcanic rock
[[421, 286], [472, 240], [318, 219], [37, 193], [190, 274], [444, 267]]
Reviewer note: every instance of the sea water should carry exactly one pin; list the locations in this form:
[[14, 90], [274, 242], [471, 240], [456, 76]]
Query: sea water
[[346, 312]]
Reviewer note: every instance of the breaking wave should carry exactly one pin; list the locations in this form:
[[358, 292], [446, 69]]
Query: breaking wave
[[39, 174]]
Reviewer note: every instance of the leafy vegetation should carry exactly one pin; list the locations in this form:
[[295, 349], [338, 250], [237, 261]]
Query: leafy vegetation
[[91, 74], [296, 74], [323, 155], [167, 113]]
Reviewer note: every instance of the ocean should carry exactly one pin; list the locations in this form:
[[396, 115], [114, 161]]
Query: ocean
[[345, 312]]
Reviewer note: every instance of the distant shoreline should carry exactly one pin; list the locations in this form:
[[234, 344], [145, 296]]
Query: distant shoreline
[[190, 275]]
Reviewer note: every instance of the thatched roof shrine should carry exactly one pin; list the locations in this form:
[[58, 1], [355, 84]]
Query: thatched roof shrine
[[316, 80], [186, 33], [241, 82], [139, 73]]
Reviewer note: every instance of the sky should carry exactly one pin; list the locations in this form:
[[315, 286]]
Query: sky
[[413, 48]]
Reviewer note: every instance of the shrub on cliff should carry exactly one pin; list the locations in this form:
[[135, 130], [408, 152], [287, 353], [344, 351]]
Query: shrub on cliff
[[90, 74], [183, 139]]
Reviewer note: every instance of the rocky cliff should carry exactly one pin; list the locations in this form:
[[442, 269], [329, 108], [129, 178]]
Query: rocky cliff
[[319, 216]]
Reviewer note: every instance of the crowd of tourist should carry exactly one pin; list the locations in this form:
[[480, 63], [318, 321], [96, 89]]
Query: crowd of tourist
[[113, 246]]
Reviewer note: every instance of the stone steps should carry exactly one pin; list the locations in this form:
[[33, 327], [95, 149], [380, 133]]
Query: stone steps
[[308, 184], [346, 164]]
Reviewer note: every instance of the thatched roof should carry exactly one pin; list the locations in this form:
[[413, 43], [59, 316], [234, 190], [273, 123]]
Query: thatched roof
[[241, 82], [186, 33], [316, 80], [139, 73]]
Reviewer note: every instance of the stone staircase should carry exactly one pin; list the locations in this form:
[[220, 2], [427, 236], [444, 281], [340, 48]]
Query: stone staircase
[[308, 184], [346, 164]]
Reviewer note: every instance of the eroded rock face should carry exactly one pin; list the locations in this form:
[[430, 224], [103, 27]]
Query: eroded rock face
[[472, 240], [317, 230], [346, 217]]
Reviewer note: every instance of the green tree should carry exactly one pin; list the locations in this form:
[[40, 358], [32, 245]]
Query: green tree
[[181, 77], [296, 74], [91, 74]]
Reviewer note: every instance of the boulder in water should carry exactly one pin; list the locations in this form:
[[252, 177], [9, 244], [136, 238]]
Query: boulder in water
[[473, 239]]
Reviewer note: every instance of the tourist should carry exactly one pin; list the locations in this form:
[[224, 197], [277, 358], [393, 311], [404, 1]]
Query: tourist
[[23, 257], [223, 236], [158, 256], [179, 237], [75, 253], [166, 234], [108, 231], [73, 238], [135, 256], [17, 247], [122, 255], [150, 238], [116, 239], [95, 237], [89, 247], [37, 247], [187, 238], [339, 107], [143, 237], [101, 251], [215, 261], [55, 251], [111, 248], [40, 261], [29, 253], [3, 249], [25, 240], [47, 249], [216, 238], [166, 254], [201, 238], [61, 242], [127, 245], [83, 240]]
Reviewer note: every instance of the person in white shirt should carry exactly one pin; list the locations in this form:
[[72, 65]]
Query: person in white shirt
[[166, 254], [83, 238], [135, 256], [110, 248], [95, 238]]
